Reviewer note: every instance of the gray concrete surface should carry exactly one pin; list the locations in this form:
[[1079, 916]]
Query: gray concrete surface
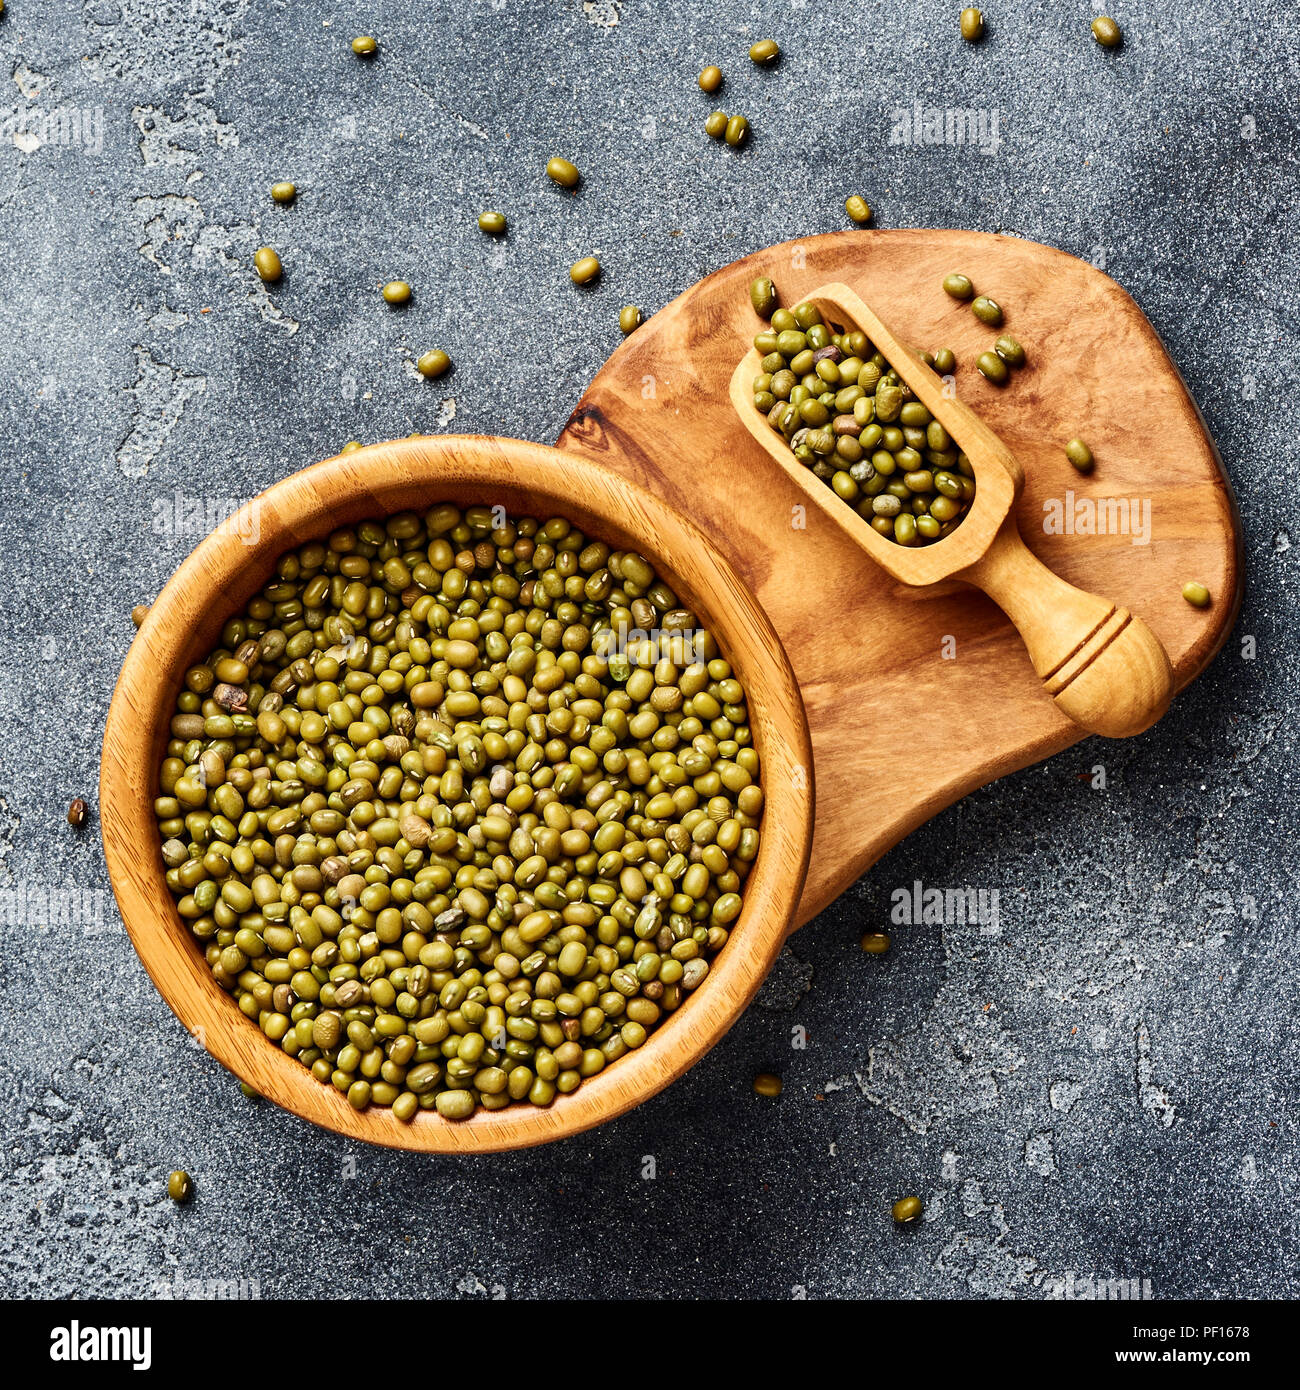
[[1107, 1088]]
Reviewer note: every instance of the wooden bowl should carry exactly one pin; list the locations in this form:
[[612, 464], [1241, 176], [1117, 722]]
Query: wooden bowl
[[224, 572]]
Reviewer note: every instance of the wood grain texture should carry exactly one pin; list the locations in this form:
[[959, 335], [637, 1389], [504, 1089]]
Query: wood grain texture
[[1105, 668], [217, 580], [863, 644]]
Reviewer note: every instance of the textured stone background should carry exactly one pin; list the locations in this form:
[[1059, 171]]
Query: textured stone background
[[1107, 1088]]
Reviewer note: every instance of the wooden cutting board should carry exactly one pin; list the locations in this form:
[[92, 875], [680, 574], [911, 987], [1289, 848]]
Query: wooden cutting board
[[872, 655]]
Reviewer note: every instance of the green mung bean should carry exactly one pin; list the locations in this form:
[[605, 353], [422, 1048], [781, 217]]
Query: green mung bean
[[180, 1186], [1107, 32], [987, 310], [563, 172], [1196, 594], [765, 52], [763, 296], [584, 271], [906, 1209], [767, 1084], [972, 25], [710, 79], [1010, 351], [268, 265], [493, 223], [364, 46], [1079, 455], [857, 209], [992, 367], [737, 131], [482, 815], [716, 124], [959, 286], [629, 319], [433, 364], [396, 293], [284, 192]]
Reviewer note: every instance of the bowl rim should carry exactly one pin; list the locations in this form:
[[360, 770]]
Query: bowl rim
[[234, 562]]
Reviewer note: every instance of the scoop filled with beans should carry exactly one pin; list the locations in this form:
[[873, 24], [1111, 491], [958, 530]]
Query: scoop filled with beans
[[852, 421], [460, 808]]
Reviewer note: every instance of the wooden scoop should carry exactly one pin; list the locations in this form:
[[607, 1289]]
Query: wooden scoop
[[1104, 667]]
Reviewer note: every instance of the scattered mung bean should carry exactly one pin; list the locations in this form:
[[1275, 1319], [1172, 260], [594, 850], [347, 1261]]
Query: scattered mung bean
[[180, 1186], [857, 209], [584, 271], [767, 1084], [987, 310], [1010, 351], [737, 131], [564, 173], [710, 79], [629, 319], [139, 613], [972, 25], [1196, 594], [992, 367], [364, 46], [268, 265], [1107, 32], [959, 286], [765, 52], [433, 364], [716, 124], [284, 192], [1079, 455], [493, 223], [906, 1209], [77, 812], [474, 815], [875, 943], [396, 292]]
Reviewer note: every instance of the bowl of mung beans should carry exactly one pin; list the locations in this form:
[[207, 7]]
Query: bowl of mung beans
[[465, 807]]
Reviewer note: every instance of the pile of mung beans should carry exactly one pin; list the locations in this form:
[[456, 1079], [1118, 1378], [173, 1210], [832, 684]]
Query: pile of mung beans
[[461, 808], [854, 423]]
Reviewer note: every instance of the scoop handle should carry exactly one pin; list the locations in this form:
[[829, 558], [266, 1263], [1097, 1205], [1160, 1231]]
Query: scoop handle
[[1104, 667]]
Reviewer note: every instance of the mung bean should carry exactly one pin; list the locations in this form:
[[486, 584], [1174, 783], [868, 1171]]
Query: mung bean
[[972, 25], [563, 172]]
